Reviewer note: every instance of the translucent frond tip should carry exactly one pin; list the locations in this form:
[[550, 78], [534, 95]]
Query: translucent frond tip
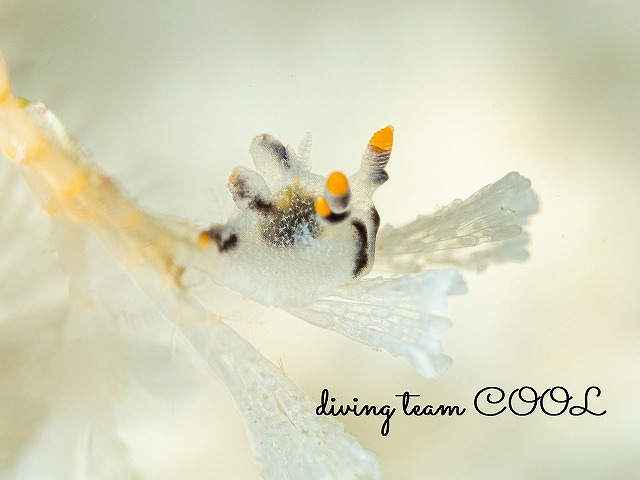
[[289, 440], [396, 314], [484, 229]]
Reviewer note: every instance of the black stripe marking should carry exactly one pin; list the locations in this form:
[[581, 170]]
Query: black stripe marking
[[362, 255], [281, 152], [336, 217], [375, 218]]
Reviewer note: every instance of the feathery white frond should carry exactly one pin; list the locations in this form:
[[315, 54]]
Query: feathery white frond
[[485, 228], [395, 314], [289, 440]]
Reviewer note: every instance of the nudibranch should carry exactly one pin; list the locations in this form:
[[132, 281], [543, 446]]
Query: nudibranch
[[296, 235]]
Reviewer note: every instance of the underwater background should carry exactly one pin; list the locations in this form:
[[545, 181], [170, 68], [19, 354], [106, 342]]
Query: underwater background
[[166, 97]]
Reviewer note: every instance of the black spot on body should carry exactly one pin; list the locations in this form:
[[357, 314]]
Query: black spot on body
[[239, 187], [377, 165], [362, 255], [223, 244], [230, 243], [241, 191], [379, 177], [261, 206]]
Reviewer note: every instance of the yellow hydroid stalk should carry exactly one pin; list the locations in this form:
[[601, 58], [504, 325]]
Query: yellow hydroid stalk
[[5, 88], [67, 184], [15, 128]]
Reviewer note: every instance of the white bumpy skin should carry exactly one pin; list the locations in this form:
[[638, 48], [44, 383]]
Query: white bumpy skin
[[296, 235]]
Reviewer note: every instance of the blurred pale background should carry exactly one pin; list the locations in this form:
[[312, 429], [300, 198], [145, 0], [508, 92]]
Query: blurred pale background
[[166, 98]]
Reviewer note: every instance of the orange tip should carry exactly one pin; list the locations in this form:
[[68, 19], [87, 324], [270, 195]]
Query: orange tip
[[204, 240], [322, 207], [234, 175], [383, 139], [337, 184]]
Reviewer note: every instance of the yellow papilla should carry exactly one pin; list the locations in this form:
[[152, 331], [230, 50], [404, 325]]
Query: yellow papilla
[[204, 240], [322, 207], [338, 184], [383, 139]]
